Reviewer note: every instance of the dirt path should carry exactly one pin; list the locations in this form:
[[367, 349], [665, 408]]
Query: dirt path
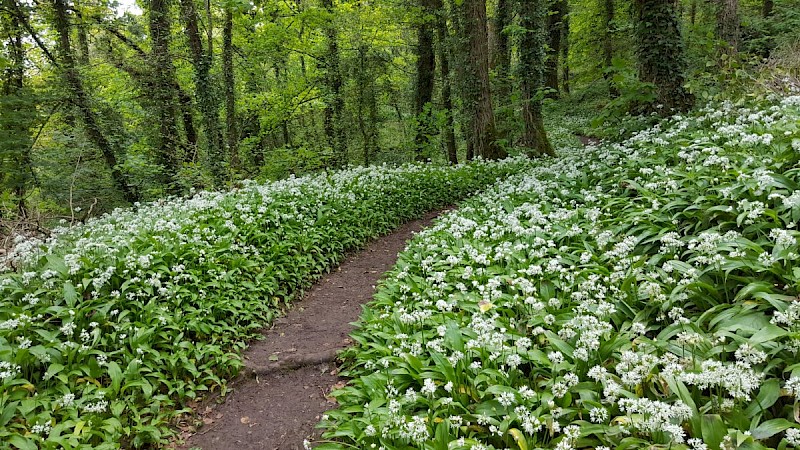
[[278, 407]]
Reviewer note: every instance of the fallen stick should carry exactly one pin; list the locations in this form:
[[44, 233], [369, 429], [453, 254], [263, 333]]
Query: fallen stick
[[293, 362]]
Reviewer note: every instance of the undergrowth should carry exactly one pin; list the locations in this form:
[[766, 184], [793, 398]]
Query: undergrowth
[[632, 295]]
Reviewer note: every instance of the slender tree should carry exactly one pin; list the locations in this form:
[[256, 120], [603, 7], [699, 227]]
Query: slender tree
[[205, 89], [555, 31], [334, 102], [531, 75], [728, 28], [426, 67], [163, 83], [608, 45], [442, 36], [502, 52], [483, 129], [231, 126], [565, 41], [18, 111], [660, 53]]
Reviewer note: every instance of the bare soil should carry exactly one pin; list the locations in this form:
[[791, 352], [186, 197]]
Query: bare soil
[[280, 398]]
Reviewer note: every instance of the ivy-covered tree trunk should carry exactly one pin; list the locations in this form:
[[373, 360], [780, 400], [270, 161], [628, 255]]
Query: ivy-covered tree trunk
[[660, 54], [728, 28], [423, 91], [334, 102], [80, 99], [565, 38], [555, 25], [443, 46], [462, 83], [479, 100], [205, 91], [82, 33], [367, 104], [502, 52], [231, 126], [608, 46], [531, 74], [18, 112], [163, 91]]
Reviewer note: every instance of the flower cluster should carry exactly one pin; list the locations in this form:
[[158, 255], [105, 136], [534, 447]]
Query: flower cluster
[[636, 294], [108, 329]]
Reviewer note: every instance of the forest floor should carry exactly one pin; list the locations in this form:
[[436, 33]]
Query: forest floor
[[280, 397]]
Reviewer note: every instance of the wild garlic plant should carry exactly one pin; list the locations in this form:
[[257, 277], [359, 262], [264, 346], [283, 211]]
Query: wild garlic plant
[[641, 294], [111, 329]]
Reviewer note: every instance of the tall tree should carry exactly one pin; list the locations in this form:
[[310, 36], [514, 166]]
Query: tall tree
[[565, 41], [531, 74], [502, 52], [728, 28], [18, 110], [443, 45], [660, 53], [426, 67], [231, 126], [80, 99], [608, 45], [483, 132], [205, 89], [334, 102], [555, 31], [164, 91]]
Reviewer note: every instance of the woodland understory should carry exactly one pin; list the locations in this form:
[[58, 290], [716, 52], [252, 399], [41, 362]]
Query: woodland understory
[[619, 273]]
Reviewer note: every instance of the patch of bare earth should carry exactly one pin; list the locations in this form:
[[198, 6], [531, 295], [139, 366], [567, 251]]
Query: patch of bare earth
[[290, 374]]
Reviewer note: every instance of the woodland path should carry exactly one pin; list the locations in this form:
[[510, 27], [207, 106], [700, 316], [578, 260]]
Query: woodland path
[[285, 390]]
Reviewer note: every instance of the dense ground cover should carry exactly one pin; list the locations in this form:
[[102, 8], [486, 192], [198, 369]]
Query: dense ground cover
[[634, 295], [108, 329]]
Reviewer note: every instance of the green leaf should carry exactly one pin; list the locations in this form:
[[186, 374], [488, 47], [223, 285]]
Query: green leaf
[[771, 428], [713, 430], [767, 396]]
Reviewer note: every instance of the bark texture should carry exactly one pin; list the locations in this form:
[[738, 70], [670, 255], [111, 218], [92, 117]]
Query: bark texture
[[443, 46], [531, 67], [163, 90], [334, 103], [231, 126], [483, 128], [426, 67], [728, 28], [660, 54]]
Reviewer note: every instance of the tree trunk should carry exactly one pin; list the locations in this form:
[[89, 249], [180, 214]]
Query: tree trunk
[[555, 25], [19, 112], [660, 54], [81, 100], [423, 92], [483, 128], [205, 91], [83, 38], [334, 103], [444, 72], [608, 46], [728, 24], [693, 12], [767, 7], [502, 53], [531, 67], [163, 91], [565, 52], [232, 133]]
